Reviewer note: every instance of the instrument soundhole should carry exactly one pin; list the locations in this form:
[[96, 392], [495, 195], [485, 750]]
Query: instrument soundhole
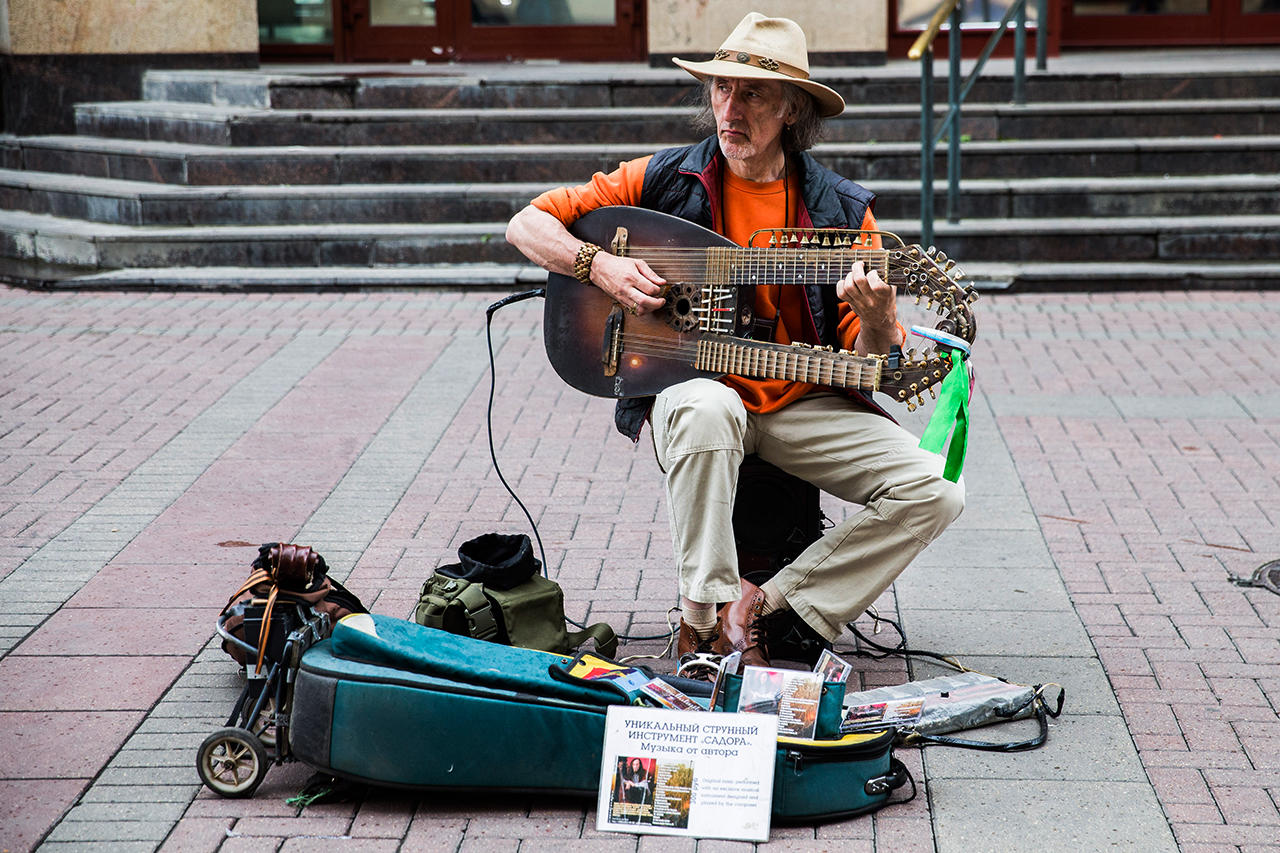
[[683, 302]]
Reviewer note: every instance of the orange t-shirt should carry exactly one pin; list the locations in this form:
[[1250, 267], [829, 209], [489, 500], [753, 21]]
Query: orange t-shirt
[[746, 207]]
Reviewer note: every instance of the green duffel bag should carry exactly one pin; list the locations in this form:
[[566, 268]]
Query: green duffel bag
[[496, 592]]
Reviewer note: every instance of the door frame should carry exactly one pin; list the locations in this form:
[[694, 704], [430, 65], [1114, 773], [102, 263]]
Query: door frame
[[454, 38], [972, 41], [1223, 24]]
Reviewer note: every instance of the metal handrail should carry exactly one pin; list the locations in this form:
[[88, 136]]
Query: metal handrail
[[925, 40], [922, 49]]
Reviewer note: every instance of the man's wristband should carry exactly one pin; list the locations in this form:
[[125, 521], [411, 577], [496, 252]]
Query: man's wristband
[[582, 263]]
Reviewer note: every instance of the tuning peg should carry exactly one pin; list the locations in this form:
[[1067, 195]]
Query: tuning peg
[[932, 396], [911, 407], [931, 251], [773, 239], [940, 257]]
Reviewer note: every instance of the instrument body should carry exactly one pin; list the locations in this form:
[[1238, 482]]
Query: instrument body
[[704, 330]]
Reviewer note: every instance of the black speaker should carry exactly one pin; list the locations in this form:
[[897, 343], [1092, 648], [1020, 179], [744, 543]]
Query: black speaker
[[775, 517]]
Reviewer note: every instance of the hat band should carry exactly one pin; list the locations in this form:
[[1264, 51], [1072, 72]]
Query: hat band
[[761, 62]]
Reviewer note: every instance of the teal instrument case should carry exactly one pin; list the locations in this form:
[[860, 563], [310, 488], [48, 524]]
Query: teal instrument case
[[408, 706], [419, 707]]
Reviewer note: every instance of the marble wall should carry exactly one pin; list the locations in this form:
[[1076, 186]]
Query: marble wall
[[691, 27], [74, 27]]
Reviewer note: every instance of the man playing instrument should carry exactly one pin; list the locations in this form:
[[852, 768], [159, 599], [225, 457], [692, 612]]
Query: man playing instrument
[[754, 173]]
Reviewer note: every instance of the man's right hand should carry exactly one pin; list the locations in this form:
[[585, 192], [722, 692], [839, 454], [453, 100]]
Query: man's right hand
[[542, 238], [630, 281]]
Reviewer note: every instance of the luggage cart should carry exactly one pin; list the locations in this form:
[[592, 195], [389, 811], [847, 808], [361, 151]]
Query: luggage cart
[[233, 761]]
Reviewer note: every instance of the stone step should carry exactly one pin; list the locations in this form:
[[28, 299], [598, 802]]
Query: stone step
[[188, 164], [1193, 240], [603, 85], [101, 246], [254, 126], [1189, 239], [988, 277], [126, 202], [471, 276], [1105, 276]]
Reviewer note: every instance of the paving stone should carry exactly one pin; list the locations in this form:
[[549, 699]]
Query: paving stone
[[196, 835], [1035, 634], [1119, 815], [1014, 589], [80, 846], [100, 812], [28, 807], [111, 831], [83, 683]]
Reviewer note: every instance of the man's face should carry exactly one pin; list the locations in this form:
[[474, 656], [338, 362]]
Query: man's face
[[750, 115]]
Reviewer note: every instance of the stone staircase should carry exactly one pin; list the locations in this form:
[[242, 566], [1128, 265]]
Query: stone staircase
[[1145, 176]]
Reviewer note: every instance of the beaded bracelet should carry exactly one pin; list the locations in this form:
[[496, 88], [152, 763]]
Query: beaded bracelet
[[582, 263]]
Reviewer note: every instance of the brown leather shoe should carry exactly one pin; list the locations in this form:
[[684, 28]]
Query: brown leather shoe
[[698, 658], [688, 641], [742, 627]]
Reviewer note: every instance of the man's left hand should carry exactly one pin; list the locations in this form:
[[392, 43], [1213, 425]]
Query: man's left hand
[[876, 304]]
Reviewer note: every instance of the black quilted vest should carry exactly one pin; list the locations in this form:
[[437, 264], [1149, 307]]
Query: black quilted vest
[[685, 183]]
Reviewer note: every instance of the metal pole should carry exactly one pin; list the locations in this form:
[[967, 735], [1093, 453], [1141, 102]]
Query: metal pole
[[926, 148], [953, 131], [1020, 56], [1042, 34]]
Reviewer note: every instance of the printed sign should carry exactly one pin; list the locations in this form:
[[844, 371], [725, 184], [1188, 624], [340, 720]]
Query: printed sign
[[687, 773]]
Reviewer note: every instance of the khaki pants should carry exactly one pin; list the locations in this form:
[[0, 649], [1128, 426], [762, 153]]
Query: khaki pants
[[701, 432]]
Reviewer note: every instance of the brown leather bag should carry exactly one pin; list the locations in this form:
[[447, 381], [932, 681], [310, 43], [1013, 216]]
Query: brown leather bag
[[295, 574]]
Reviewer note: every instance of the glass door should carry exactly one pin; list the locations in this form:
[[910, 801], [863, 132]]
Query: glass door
[[295, 28], [401, 30]]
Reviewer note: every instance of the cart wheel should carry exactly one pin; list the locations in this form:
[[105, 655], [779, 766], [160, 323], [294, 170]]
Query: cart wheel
[[232, 762]]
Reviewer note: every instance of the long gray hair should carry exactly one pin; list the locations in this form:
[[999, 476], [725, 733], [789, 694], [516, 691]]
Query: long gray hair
[[801, 135]]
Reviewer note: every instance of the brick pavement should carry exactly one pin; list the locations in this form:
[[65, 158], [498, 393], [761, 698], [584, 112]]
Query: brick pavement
[[1125, 463]]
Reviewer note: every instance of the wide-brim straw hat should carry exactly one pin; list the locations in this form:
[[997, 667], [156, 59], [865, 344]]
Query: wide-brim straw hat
[[762, 48]]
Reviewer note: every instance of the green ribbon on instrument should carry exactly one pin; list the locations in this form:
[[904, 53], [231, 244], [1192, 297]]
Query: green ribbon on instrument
[[952, 412]]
